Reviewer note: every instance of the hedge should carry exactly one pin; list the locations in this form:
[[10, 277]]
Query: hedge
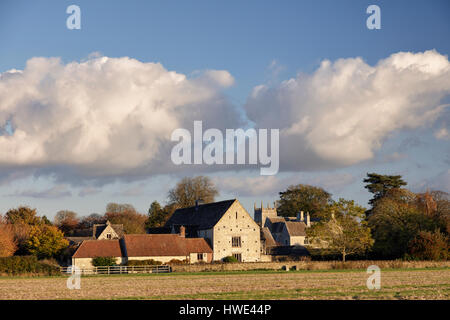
[[149, 262], [230, 259], [26, 265], [103, 261]]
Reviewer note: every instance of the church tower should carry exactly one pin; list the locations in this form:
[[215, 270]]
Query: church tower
[[261, 214]]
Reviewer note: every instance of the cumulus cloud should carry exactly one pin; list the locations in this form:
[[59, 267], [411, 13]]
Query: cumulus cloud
[[341, 114], [107, 118], [103, 117]]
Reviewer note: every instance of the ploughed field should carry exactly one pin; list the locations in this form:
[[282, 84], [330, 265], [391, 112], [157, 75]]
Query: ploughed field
[[336, 284]]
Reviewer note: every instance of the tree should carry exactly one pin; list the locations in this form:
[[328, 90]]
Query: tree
[[90, 220], [23, 215], [188, 190], [46, 241], [342, 230], [303, 198], [8, 244], [133, 222], [430, 246], [440, 207], [119, 207], [67, 221], [157, 216], [379, 185], [21, 220], [395, 220], [46, 221]]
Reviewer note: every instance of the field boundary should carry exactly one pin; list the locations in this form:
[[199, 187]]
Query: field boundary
[[310, 265], [108, 270]]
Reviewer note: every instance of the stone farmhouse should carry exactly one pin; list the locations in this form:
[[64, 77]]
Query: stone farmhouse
[[202, 233], [226, 226], [159, 247]]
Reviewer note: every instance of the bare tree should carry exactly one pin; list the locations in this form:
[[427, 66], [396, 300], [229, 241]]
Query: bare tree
[[190, 189]]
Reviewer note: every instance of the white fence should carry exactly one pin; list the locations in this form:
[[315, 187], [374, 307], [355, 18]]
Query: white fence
[[117, 270]]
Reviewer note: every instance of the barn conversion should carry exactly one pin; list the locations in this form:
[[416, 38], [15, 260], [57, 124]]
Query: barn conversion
[[225, 225], [159, 247]]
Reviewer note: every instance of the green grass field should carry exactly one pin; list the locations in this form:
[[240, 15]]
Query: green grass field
[[432, 283]]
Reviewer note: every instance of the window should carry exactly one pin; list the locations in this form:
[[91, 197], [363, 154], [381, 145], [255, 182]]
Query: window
[[306, 241], [238, 256], [236, 215], [236, 242], [200, 256], [108, 236]]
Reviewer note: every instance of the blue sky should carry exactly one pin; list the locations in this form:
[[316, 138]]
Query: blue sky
[[256, 42]]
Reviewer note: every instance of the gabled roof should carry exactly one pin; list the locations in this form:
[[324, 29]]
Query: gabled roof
[[99, 228], [98, 248], [276, 219], [267, 237], [203, 216], [278, 227], [296, 228], [156, 245]]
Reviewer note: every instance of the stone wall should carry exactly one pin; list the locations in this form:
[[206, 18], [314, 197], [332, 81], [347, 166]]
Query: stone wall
[[308, 265]]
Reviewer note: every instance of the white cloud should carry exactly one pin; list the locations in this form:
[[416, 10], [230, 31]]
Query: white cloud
[[103, 117], [341, 114]]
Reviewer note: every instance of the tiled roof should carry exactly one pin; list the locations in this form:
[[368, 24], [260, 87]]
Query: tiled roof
[[98, 248], [204, 216], [154, 245]]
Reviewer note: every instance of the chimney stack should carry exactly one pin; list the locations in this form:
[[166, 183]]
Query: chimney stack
[[182, 231], [197, 203], [308, 221]]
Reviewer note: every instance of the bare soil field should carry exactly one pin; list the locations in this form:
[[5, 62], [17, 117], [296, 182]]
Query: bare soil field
[[342, 284]]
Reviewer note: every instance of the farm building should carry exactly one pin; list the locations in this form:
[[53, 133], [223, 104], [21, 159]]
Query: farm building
[[159, 247], [225, 225], [90, 249], [289, 231], [105, 231]]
